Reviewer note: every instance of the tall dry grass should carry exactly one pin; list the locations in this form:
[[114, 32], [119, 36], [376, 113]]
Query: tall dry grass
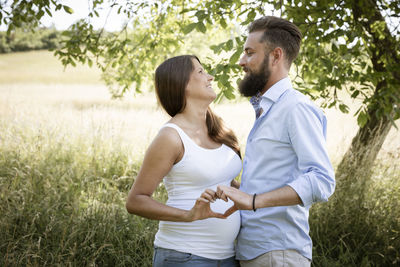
[[69, 154]]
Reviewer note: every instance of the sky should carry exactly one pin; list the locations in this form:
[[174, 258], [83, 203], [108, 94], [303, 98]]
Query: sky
[[63, 20]]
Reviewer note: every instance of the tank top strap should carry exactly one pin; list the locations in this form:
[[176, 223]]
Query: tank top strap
[[184, 137]]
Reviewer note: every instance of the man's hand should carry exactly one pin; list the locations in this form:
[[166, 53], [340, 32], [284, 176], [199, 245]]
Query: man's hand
[[201, 209], [242, 201]]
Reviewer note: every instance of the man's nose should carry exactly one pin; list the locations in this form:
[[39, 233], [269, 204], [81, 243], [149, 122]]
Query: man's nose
[[242, 62]]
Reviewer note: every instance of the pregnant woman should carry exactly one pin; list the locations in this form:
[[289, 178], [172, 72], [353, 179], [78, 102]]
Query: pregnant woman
[[193, 153]]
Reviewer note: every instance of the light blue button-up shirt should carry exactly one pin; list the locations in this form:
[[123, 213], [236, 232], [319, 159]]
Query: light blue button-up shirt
[[286, 146]]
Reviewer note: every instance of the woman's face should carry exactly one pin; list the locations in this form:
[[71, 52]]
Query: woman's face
[[199, 85]]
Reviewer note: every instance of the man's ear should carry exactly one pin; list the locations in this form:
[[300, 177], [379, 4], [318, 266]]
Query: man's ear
[[277, 55]]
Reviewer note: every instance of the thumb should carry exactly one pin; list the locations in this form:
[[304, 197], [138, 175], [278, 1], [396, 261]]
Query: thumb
[[229, 211], [218, 215]]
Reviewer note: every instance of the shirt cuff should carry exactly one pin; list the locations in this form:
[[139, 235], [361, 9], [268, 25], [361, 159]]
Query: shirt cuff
[[302, 186]]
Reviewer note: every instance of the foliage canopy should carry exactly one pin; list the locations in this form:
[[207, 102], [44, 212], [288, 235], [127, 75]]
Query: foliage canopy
[[351, 45]]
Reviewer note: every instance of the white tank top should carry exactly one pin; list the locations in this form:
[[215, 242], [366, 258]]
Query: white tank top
[[199, 169]]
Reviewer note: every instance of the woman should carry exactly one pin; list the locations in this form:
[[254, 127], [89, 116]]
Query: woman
[[194, 153]]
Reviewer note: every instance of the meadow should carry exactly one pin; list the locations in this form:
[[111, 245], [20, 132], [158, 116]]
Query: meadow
[[69, 155]]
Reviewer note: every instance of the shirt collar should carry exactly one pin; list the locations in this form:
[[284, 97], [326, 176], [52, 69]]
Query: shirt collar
[[272, 94], [276, 90]]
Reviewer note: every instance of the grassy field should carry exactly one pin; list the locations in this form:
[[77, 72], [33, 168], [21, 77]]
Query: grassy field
[[69, 154]]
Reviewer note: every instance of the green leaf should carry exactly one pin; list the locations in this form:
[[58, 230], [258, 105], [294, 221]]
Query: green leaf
[[251, 15], [229, 45], [355, 94], [40, 14], [344, 108], [201, 27], [68, 9], [215, 49], [228, 94], [362, 119], [235, 57], [396, 115], [223, 23], [201, 15], [189, 28], [335, 48], [48, 12], [343, 49], [327, 63], [224, 79]]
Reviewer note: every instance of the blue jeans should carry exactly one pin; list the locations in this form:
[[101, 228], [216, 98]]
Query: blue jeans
[[171, 258]]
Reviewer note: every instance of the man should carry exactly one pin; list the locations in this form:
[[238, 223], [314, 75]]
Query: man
[[286, 166]]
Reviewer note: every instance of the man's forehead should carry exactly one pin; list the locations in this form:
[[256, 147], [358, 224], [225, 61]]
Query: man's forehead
[[253, 40]]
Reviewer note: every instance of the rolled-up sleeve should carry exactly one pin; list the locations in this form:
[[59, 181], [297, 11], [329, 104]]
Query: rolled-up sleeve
[[307, 133]]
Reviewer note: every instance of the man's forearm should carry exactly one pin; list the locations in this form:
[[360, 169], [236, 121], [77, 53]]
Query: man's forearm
[[284, 196]]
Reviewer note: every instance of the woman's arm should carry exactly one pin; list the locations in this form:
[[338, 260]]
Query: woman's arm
[[166, 150]]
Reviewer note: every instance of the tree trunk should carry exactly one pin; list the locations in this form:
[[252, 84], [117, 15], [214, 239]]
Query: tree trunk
[[360, 157]]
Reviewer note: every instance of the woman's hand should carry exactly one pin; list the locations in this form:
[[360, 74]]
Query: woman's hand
[[202, 210], [241, 200]]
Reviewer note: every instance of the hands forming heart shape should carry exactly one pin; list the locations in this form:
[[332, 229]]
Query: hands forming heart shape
[[201, 210]]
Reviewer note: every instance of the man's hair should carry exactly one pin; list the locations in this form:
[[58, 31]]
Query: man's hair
[[278, 32]]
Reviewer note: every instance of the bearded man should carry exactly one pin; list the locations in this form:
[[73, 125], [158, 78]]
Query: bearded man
[[286, 167]]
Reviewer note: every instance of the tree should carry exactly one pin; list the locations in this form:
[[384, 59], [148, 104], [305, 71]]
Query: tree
[[354, 49], [26, 13], [350, 45]]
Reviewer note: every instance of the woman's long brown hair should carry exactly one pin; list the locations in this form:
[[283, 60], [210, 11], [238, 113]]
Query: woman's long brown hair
[[171, 79]]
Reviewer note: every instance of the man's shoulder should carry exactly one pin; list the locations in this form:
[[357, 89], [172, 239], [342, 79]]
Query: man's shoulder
[[294, 100], [294, 97]]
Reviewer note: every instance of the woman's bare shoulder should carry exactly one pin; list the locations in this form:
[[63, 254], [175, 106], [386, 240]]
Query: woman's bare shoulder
[[168, 137]]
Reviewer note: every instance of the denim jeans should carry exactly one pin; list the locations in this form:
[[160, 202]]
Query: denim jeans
[[171, 258]]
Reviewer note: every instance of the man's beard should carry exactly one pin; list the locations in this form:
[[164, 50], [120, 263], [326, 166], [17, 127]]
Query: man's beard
[[255, 82]]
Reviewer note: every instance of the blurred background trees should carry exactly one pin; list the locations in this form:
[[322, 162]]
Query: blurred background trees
[[22, 40]]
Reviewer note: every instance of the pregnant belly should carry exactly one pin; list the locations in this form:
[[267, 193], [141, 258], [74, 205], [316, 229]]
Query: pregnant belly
[[216, 231]]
